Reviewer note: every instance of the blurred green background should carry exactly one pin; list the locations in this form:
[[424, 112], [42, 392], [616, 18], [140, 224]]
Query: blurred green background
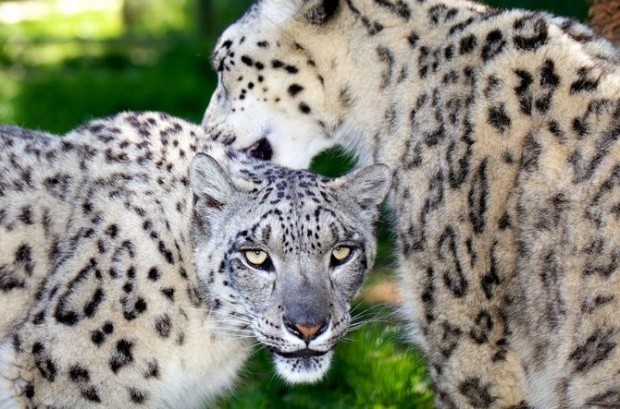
[[63, 62]]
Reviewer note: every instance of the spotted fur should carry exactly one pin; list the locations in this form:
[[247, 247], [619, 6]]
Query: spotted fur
[[502, 131], [123, 280]]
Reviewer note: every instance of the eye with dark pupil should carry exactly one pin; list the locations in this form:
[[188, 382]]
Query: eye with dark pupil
[[258, 259], [340, 255]]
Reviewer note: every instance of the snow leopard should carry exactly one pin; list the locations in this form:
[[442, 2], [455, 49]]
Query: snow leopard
[[501, 129], [140, 261]]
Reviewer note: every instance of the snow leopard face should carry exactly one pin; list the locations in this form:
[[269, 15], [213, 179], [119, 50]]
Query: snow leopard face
[[294, 250]]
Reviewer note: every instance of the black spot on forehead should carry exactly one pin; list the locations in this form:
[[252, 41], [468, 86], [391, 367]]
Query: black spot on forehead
[[295, 186], [295, 203], [269, 175], [300, 224]]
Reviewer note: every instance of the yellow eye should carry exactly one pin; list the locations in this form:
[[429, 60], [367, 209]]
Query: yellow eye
[[341, 252], [256, 257]]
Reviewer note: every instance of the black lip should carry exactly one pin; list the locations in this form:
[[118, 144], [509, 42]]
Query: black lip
[[301, 353]]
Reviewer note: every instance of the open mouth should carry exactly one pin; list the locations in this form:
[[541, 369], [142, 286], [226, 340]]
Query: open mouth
[[301, 353]]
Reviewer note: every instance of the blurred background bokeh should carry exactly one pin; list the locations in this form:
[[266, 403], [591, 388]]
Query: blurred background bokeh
[[63, 62]]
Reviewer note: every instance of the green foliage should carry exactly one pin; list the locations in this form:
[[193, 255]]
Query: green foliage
[[227, 12], [157, 18], [59, 97], [92, 24]]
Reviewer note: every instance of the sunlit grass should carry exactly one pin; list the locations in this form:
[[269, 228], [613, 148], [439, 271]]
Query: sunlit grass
[[58, 37], [94, 25]]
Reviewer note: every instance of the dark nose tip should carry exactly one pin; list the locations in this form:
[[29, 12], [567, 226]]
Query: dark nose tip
[[260, 150], [306, 332]]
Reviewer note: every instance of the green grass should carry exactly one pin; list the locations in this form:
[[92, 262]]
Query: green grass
[[373, 368], [89, 70]]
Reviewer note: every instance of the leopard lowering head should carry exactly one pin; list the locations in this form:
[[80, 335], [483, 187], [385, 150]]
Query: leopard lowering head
[[292, 250], [274, 95]]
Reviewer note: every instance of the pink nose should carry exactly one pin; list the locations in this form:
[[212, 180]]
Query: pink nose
[[309, 333], [306, 332]]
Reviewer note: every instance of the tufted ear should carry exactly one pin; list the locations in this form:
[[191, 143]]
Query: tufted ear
[[367, 187], [212, 186], [317, 12]]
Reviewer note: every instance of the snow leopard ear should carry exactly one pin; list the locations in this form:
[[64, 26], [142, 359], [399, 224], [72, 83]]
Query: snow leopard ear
[[211, 184], [367, 187], [317, 12]]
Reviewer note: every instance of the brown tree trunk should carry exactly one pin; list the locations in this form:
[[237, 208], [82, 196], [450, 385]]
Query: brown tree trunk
[[605, 17]]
